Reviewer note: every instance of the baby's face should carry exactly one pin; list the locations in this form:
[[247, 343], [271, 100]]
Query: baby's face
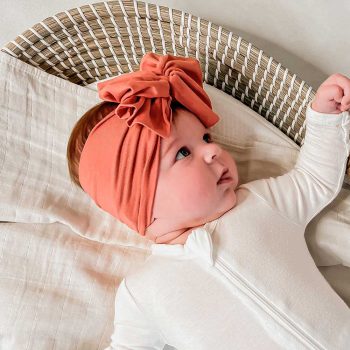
[[188, 193]]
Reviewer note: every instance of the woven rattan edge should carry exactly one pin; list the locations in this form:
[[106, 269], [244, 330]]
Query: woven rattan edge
[[96, 41]]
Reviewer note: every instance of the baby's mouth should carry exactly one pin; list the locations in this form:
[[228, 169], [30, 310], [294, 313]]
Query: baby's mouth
[[225, 177]]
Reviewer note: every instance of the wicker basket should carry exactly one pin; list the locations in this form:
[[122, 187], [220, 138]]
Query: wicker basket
[[105, 39]]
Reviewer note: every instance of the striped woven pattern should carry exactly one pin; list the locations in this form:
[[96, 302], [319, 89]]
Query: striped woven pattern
[[105, 39]]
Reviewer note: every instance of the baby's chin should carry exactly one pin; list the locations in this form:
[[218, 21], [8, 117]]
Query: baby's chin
[[210, 217], [228, 203], [171, 227], [222, 212]]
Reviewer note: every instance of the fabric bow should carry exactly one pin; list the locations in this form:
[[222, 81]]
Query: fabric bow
[[145, 96]]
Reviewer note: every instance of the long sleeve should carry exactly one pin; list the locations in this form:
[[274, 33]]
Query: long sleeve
[[132, 329], [319, 171]]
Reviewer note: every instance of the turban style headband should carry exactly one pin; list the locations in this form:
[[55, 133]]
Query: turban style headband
[[119, 163]]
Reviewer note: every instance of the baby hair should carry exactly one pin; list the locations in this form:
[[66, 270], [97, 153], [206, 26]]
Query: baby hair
[[80, 133]]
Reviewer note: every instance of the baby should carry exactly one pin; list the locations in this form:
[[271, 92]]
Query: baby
[[229, 267]]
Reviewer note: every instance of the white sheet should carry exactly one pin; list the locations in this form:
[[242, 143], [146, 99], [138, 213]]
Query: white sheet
[[61, 257]]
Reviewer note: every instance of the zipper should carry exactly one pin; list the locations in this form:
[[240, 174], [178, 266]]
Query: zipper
[[266, 305]]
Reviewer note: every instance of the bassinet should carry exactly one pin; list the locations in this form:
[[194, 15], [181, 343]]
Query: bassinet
[[93, 42], [97, 41]]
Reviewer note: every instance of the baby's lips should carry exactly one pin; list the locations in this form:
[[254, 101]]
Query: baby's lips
[[225, 176]]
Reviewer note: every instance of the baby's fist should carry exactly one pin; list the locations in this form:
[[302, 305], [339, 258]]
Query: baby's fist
[[333, 95]]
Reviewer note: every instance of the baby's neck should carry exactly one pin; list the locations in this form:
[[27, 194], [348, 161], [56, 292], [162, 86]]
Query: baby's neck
[[174, 237]]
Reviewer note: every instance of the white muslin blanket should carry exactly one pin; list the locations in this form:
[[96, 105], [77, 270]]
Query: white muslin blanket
[[61, 257]]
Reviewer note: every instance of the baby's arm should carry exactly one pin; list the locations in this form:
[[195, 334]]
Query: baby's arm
[[318, 174], [132, 328]]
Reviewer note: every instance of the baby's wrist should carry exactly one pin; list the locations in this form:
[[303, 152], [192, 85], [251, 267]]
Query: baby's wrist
[[325, 119], [324, 107]]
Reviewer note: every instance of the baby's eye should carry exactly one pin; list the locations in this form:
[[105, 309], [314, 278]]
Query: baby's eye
[[208, 136], [182, 151]]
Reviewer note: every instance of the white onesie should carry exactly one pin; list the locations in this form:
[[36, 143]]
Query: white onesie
[[247, 280]]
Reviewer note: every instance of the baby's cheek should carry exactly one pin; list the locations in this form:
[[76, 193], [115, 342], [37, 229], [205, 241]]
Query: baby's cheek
[[195, 194]]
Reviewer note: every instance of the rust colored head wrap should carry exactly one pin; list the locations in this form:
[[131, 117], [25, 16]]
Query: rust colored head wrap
[[120, 160]]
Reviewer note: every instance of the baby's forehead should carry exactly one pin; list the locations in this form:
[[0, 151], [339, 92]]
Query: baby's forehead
[[184, 127], [184, 120]]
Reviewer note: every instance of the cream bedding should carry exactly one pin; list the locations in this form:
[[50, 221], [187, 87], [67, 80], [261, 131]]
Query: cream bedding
[[61, 257]]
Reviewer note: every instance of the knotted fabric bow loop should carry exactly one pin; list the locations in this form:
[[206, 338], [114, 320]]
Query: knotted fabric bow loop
[[168, 65], [143, 98]]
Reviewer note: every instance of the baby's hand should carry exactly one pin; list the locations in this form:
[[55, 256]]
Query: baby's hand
[[333, 95]]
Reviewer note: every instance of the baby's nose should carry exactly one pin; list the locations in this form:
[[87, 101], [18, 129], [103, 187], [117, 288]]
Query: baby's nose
[[211, 151]]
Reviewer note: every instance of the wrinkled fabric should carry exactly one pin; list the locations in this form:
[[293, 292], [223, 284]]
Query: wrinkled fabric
[[120, 160]]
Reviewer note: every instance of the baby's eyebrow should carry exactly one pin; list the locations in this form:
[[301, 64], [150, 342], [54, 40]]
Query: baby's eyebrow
[[170, 146]]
